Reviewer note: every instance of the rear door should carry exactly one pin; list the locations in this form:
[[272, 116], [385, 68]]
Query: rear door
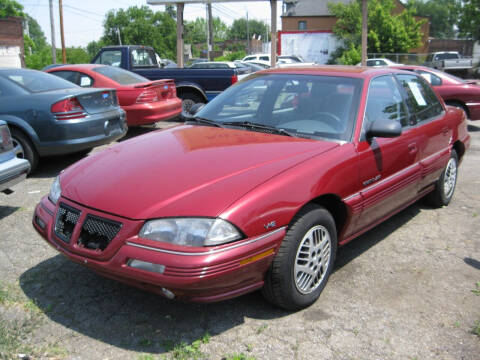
[[388, 167], [430, 119]]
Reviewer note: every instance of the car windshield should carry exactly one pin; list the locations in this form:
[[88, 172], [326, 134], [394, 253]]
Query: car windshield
[[37, 81], [302, 105], [121, 76]]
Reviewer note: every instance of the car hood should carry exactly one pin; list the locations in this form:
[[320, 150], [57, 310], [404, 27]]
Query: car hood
[[182, 171]]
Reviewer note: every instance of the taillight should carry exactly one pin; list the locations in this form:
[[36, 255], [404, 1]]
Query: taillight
[[234, 79], [6, 142], [147, 96], [68, 109]]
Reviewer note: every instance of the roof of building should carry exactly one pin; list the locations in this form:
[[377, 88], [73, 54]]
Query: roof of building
[[310, 7]]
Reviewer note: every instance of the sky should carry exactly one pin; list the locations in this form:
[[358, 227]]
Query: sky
[[83, 18]]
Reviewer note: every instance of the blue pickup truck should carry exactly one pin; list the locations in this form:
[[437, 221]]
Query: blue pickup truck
[[193, 85]]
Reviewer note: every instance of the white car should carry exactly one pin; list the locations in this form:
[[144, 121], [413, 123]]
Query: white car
[[380, 62]]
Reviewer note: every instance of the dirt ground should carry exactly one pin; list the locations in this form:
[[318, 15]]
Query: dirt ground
[[408, 289]]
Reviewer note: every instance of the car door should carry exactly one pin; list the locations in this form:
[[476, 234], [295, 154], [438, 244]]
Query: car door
[[388, 167], [430, 118]]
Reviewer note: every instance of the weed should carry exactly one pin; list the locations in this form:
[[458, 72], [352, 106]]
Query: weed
[[238, 357], [476, 328], [457, 324], [262, 328], [146, 357], [474, 214], [249, 347], [476, 291], [206, 338], [183, 351]]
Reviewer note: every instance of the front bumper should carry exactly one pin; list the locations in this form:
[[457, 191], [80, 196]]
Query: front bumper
[[12, 172], [190, 274], [149, 113]]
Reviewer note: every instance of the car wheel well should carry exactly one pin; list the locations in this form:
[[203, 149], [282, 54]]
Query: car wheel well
[[335, 206], [459, 104], [19, 129], [190, 90], [459, 147]]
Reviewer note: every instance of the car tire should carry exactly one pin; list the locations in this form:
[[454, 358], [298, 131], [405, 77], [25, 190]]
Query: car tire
[[24, 149], [446, 183], [304, 261], [189, 99]]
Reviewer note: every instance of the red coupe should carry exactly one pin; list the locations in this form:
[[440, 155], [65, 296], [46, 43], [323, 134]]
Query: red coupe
[[260, 186], [457, 92], [144, 101]]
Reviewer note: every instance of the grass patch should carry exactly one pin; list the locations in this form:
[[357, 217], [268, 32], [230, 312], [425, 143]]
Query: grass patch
[[146, 357], [262, 328], [184, 351]]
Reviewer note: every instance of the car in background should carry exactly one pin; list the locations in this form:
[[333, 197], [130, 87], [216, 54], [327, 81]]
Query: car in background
[[12, 169], [48, 115], [144, 101], [253, 67], [454, 91], [380, 62], [448, 61], [258, 59], [242, 70], [260, 186], [292, 61]]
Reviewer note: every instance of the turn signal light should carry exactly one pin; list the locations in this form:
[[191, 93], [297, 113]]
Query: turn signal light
[[68, 109], [147, 96]]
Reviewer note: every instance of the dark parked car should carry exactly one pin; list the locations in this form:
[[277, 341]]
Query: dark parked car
[[12, 169], [287, 165], [48, 115]]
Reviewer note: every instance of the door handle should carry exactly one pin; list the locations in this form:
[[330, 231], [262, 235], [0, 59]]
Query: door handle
[[445, 130], [412, 148]]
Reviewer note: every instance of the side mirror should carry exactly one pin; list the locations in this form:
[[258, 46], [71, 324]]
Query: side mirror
[[384, 128]]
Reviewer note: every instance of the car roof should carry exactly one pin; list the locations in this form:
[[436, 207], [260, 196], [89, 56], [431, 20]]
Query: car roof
[[77, 67], [336, 70]]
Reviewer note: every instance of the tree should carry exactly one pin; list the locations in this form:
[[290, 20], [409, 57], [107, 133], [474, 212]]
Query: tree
[[387, 33], [141, 26], [41, 58], [238, 30], [10, 8], [443, 15], [94, 47], [36, 33], [195, 31], [469, 19]]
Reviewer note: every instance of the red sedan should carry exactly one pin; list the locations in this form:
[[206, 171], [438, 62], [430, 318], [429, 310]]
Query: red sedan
[[454, 91], [259, 187], [144, 101]]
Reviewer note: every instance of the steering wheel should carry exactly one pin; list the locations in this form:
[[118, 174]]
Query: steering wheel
[[337, 123]]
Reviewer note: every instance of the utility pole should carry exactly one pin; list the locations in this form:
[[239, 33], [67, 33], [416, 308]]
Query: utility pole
[[364, 31], [180, 7], [210, 30], [52, 29], [273, 34], [119, 37], [248, 37], [62, 34], [207, 33]]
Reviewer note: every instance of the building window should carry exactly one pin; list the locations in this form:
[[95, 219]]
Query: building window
[[302, 25]]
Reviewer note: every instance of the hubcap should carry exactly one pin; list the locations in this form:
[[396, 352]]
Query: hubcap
[[313, 257], [450, 178], [18, 149], [187, 104]]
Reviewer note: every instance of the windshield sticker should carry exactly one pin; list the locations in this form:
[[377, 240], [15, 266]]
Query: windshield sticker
[[416, 93]]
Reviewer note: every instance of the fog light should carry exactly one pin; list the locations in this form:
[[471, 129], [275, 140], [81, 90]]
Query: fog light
[[40, 222], [147, 266]]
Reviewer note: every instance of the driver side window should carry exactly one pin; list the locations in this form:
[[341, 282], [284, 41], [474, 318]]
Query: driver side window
[[385, 102]]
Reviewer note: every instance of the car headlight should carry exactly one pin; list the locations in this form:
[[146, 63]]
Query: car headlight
[[55, 191], [190, 231]]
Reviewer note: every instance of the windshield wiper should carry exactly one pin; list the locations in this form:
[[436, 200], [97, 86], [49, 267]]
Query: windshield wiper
[[204, 121], [256, 126]]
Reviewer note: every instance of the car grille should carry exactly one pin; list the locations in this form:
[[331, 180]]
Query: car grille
[[96, 232], [67, 218]]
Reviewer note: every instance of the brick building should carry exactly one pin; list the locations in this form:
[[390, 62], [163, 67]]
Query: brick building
[[11, 42], [313, 16]]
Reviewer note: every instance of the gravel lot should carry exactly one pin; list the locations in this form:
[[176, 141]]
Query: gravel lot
[[408, 289]]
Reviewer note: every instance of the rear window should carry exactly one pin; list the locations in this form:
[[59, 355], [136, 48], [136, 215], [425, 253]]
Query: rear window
[[37, 81], [121, 76], [446, 56]]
